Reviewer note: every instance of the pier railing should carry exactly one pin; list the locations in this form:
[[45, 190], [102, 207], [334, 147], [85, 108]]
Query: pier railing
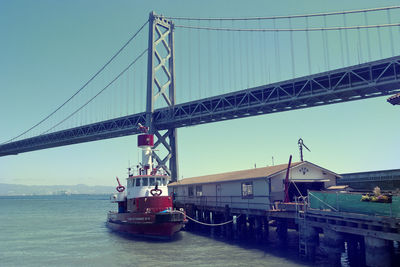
[[256, 202], [351, 202]]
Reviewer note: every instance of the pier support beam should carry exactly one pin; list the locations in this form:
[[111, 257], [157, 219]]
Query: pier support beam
[[213, 219], [258, 229], [265, 222], [241, 223], [377, 252], [251, 228], [333, 243], [281, 230], [355, 250], [310, 239]]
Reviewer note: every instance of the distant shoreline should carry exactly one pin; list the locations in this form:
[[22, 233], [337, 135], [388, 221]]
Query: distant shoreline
[[54, 190]]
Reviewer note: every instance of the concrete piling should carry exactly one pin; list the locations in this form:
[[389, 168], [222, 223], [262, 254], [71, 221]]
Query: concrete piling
[[377, 252], [333, 244]]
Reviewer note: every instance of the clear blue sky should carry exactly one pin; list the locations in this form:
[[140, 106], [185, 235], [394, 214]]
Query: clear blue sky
[[49, 49]]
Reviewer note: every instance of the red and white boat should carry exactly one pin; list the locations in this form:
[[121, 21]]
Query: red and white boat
[[145, 208]]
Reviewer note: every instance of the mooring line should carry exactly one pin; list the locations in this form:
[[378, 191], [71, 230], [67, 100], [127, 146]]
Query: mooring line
[[207, 224]]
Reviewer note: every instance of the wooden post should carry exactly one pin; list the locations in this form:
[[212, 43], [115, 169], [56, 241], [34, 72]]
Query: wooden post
[[333, 243], [377, 252]]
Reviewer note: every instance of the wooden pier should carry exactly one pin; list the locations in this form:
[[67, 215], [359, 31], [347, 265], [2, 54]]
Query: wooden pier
[[368, 238]]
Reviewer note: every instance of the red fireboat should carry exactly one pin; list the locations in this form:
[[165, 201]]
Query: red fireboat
[[145, 208]]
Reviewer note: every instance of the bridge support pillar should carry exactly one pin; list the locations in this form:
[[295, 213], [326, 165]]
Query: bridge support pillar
[[161, 64], [377, 252]]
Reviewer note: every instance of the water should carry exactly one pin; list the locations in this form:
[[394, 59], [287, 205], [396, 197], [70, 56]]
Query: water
[[71, 231]]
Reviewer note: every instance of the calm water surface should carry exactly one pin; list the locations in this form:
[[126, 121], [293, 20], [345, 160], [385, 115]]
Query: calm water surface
[[70, 231]]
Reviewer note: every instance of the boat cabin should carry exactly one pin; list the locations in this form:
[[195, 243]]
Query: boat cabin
[[256, 188]]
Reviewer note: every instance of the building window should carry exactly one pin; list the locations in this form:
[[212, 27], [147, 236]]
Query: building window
[[247, 190], [199, 190], [190, 191]]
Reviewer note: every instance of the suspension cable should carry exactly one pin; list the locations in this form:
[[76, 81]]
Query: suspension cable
[[84, 86], [292, 16], [290, 30], [101, 91]]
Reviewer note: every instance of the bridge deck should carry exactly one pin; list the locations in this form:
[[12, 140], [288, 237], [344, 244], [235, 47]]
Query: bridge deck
[[362, 81]]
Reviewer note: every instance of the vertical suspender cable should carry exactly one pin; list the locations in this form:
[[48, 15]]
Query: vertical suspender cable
[[209, 78], [253, 59], [142, 80], [115, 100], [326, 44], [359, 48], [241, 61], [367, 32], [247, 56], [223, 65], [127, 92], [234, 57], [264, 53], [229, 59], [220, 64], [380, 42], [233, 61], [390, 32], [341, 47], [199, 58], [189, 67], [347, 40], [291, 47], [277, 56], [308, 47]]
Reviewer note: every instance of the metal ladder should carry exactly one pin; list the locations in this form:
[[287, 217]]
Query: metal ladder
[[301, 221]]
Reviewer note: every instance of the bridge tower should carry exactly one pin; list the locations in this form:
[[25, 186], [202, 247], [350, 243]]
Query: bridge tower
[[161, 82]]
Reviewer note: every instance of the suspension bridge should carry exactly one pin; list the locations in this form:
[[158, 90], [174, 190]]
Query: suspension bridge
[[187, 71]]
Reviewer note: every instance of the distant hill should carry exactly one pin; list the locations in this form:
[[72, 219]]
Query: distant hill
[[16, 189]]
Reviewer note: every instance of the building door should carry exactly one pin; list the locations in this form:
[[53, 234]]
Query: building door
[[218, 195]]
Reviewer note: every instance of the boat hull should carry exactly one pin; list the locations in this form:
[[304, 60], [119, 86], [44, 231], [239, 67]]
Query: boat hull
[[160, 225]]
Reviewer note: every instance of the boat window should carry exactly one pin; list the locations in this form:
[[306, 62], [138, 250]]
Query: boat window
[[129, 182], [145, 181], [152, 182], [159, 181], [137, 181], [132, 182], [164, 182]]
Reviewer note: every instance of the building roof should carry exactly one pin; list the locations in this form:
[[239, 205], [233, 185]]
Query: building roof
[[242, 175], [338, 187], [394, 99]]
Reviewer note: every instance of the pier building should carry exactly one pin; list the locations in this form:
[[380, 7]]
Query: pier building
[[248, 204], [253, 189]]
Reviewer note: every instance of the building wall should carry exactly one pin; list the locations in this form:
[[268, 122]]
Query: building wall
[[230, 193], [386, 180], [227, 193], [304, 172]]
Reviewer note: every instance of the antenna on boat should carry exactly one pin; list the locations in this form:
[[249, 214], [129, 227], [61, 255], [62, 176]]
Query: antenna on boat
[[301, 145]]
